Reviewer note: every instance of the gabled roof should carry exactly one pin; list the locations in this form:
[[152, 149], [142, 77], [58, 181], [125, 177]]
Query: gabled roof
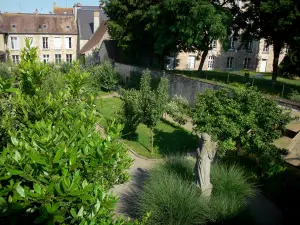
[[95, 39], [85, 16], [21, 23]]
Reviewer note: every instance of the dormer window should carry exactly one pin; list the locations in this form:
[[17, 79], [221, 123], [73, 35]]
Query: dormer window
[[40, 27], [13, 25], [68, 28], [45, 26]]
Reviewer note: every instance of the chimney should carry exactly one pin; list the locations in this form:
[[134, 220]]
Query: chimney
[[54, 5], [96, 20], [75, 10], [36, 12]]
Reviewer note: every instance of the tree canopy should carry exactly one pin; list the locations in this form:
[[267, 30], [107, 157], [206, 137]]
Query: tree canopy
[[242, 119], [276, 21]]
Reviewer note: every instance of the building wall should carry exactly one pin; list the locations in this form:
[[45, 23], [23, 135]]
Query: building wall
[[268, 56], [257, 55], [82, 43], [239, 53], [37, 42], [2, 47]]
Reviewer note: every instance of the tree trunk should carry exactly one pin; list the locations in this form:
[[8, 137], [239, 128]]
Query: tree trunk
[[203, 57], [276, 49], [152, 139]]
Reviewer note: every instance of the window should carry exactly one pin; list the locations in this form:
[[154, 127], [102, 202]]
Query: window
[[45, 26], [191, 62], [68, 42], [231, 44], [247, 63], [266, 47], [13, 26], [170, 65], [249, 46], [46, 58], [211, 62], [68, 28], [57, 58], [16, 59], [229, 62], [57, 43], [14, 43], [45, 43], [214, 44], [69, 58]]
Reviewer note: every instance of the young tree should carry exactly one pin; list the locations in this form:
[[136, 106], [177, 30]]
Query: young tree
[[276, 21], [153, 102], [242, 119]]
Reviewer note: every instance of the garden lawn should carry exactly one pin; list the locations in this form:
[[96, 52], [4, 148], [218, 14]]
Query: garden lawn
[[264, 85], [169, 139]]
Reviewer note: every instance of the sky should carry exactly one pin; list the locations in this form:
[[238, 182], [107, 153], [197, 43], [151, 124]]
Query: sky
[[43, 6]]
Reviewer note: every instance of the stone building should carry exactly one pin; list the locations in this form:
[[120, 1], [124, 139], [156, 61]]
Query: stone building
[[54, 35], [255, 56]]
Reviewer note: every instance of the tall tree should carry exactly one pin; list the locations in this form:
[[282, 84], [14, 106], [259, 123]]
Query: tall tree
[[273, 20]]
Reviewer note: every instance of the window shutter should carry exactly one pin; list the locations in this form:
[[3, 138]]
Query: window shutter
[[66, 43], [57, 43]]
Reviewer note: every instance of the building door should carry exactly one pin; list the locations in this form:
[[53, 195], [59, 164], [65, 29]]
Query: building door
[[263, 65], [191, 62], [211, 63]]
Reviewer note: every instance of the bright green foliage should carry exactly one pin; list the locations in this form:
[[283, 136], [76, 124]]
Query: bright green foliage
[[173, 198], [5, 71], [242, 120], [146, 105], [55, 168], [31, 70], [105, 76], [271, 20], [178, 109]]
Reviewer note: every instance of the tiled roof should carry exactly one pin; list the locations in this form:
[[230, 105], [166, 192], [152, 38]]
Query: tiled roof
[[40, 23], [95, 39], [58, 10]]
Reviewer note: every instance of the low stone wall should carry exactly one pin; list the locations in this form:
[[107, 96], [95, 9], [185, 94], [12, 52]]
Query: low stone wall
[[178, 85]]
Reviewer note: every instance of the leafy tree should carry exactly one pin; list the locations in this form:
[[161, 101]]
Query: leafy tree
[[243, 120], [145, 105], [189, 26], [276, 21], [153, 102]]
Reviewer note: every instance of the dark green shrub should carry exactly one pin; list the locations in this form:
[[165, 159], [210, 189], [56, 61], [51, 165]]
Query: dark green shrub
[[105, 76], [294, 96]]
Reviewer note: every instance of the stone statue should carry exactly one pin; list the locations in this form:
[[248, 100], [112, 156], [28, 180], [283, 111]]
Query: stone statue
[[205, 154]]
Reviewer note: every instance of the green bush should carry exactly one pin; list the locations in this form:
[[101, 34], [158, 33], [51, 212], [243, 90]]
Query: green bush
[[294, 96], [54, 83], [172, 197], [105, 76], [5, 72], [178, 109]]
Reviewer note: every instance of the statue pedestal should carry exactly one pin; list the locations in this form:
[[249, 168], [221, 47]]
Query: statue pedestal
[[206, 191]]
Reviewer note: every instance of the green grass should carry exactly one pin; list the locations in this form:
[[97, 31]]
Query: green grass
[[168, 138], [264, 85]]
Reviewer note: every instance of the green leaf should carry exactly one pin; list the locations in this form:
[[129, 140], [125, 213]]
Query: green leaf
[[17, 156], [37, 188], [34, 155], [14, 140], [15, 172], [58, 155], [80, 213], [73, 213], [58, 218], [20, 191]]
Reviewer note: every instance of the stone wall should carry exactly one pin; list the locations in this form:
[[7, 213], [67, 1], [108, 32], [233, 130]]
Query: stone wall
[[178, 84]]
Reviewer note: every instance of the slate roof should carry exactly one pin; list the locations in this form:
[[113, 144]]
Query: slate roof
[[21, 23], [86, 20], [96, 38]]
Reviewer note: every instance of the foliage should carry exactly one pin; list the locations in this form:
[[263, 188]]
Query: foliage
[[55, 168], [270, 20], [242, 120], [30, 69], [5, 72], [146, 105], [172, 198], [294, 95], [54, 83], [178, 109], [105, 76]]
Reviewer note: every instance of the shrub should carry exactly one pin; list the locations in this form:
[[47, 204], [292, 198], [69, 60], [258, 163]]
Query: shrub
[[5, 72], [172, 197], [178, 109], [294, 96], [105, 76], [54, 83]]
